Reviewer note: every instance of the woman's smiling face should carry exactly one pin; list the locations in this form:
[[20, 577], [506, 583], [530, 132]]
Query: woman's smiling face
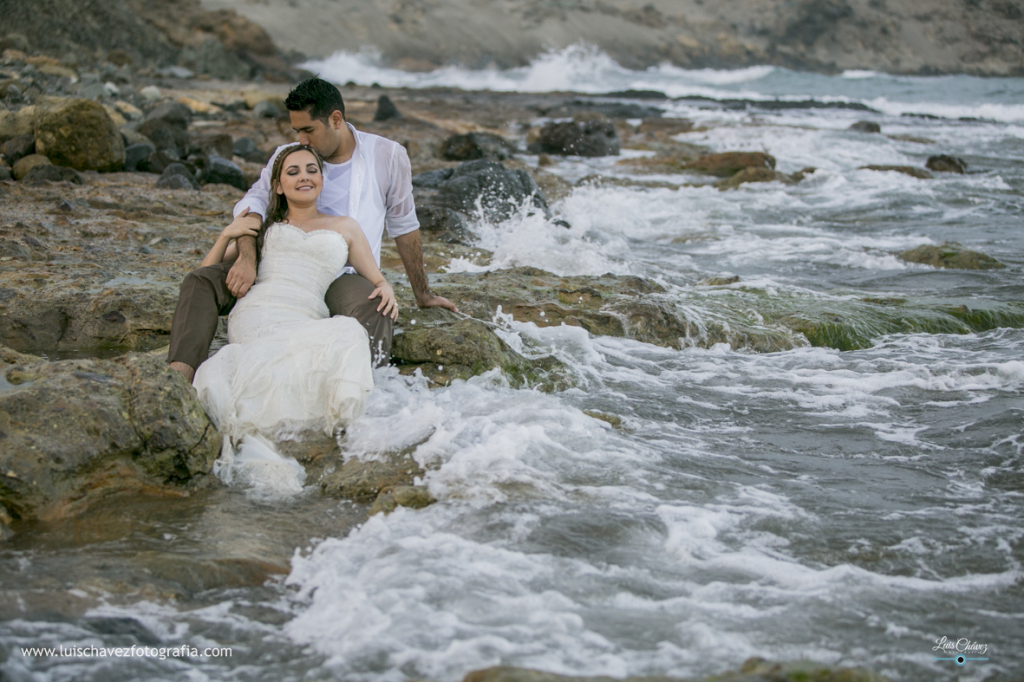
[[301, 179]]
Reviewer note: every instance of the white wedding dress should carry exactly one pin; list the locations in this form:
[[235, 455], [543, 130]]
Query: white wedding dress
[[288, 367]]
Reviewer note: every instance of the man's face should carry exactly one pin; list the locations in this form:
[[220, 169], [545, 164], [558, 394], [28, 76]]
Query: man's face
[[324, 138]]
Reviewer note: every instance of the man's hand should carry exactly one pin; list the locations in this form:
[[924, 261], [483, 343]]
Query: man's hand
[[411, 251], [243, 273], [241, 276], [436, 301]]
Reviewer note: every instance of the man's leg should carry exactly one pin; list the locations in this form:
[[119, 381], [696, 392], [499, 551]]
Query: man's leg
[[349, 295], [204, 295]]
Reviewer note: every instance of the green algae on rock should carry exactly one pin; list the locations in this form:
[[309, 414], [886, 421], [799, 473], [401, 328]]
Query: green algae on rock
[[80, 430], [950, 255]]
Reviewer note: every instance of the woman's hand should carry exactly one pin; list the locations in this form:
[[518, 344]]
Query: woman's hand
[[388, 304], [243, 225]]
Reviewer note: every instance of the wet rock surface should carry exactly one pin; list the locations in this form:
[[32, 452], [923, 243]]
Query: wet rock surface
[[950, 255], [124, 424], [752, 670], [478, 186], [594, 137]]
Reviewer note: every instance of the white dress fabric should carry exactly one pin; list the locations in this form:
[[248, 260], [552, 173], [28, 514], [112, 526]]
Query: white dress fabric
[[288, 367]]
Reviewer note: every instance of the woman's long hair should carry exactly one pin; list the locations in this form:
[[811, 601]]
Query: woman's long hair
[[277, 207]]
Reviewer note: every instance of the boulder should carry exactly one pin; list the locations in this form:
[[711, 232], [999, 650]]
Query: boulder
[[79, 134], [80, 430], [18, 147], [728, 164], [248, 150], [595, 137], [55, 318], [266, 109], [5, 174], [442, 224], [479, 185], [27, 163], [444, 348], [206, 144], [943, 163], [137, 154], [950, 255], [177, 176], [173, 118], [912, 171], [866, 127], [158, 161], [51, 173], [220, 170], [471, 146], [386, 109]]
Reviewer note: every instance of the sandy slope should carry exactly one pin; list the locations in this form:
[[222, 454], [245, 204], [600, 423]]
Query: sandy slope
[[982, 37]]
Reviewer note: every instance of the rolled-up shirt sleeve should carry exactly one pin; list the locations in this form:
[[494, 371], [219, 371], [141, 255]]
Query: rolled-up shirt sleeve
[[400, 217], [258, 196]]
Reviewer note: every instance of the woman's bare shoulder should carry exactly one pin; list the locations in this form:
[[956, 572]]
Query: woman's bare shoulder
[[343, 224]]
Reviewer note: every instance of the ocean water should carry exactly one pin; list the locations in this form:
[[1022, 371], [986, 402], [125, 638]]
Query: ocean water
[[850, 507]]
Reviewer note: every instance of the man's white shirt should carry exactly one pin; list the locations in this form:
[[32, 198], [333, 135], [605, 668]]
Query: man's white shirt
[[383, 198]]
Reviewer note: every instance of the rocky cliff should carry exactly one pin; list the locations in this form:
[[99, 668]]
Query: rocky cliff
[[980, 37]]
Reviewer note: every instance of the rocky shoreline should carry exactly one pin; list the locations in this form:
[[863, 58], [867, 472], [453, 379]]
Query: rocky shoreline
[[111, 199]]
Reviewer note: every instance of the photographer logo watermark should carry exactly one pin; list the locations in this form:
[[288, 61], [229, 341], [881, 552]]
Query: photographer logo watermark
[[960, 650]]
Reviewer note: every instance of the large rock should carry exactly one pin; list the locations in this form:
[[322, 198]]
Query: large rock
[[212, 58], [472, 146], [79, 134], [53, 319], [444, 348], [950, 255], [79, 430], [479, 185], [220, 170], [386, 109], [137, 154], [594, 137], [167, 127], [728, 164]]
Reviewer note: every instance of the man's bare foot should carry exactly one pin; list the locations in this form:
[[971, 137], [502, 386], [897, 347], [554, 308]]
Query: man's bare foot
[[185, 370]]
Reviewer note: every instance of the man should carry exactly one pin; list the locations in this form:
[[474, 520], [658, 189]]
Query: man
[[367, 177]]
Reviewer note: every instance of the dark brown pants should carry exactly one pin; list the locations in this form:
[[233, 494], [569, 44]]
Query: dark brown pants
[[205, 295]]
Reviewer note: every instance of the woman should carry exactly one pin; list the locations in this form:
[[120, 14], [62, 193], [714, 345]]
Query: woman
[[288, 367]]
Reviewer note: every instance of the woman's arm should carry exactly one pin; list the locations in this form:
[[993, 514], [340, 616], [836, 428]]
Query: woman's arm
[[224, 248], [361, 258]]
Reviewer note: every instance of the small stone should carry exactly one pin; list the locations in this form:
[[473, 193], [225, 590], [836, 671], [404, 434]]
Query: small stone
[[248, 150], [27, 163], [912, 171], [18, 148], [386, 109], [151, 94], [5, 174], [51, 173]]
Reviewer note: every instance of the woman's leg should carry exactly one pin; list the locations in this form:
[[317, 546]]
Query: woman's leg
[[349, 295]]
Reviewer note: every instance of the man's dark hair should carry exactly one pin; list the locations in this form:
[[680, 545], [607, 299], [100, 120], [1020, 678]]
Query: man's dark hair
[[316, 96]]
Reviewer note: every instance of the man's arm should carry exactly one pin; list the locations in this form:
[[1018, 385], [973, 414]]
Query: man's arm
[[243, 273], [404, 228], [411, 251]]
